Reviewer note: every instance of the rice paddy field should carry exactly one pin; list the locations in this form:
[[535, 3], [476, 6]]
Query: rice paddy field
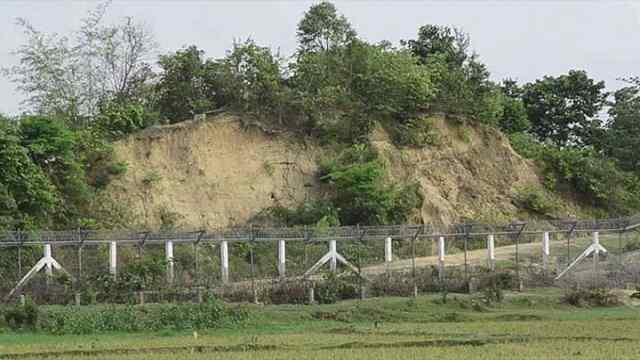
[[525, 326]]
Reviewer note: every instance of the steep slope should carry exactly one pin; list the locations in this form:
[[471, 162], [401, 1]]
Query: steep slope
[[215, 173], [472, 173]]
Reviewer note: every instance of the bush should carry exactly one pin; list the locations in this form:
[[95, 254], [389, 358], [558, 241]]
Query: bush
[[288, 292], [88, 320], [361, 194], [416, 133], [598, 180], [526, 145], [397, 284], [591, 297], [632, 245], [334, 288], [537, 200], [22, 317]]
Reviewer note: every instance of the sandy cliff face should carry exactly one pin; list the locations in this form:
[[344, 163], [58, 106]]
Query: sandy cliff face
[[214, 173], [472, 174]]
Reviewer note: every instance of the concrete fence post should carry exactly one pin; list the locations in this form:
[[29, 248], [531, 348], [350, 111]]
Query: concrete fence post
[[545, 251], [113, 259], [596, 257], [168, 246], [441, 254], [47, 255], [491, 254], [388, 254], [224, 261], [282, 258], [333, 261]]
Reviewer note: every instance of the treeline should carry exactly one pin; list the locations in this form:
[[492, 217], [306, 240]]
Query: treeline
[[335, 88]]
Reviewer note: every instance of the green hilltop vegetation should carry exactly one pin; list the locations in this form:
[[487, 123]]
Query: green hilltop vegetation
[[89, 89]]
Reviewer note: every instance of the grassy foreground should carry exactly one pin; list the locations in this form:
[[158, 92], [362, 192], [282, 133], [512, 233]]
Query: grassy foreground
[[528, 325]]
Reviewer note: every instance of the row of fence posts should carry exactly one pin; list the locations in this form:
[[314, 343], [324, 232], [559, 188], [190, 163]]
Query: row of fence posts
[[281, 260]]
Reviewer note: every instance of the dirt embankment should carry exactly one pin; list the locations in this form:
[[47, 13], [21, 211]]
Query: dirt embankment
[[215, 173]]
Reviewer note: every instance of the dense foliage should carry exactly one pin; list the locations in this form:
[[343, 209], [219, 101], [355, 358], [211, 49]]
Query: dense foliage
[[361, 194], [96, 86], [122, 318]]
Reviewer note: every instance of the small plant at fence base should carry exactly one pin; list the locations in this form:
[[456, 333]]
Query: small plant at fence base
[[334, 288], [22, 317], [97, 319], [591, 297]]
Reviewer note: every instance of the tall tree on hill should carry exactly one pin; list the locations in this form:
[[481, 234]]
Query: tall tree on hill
[[622, 140], [564, 109], [73, 75], [435, 40], [322, 29], [187, 84], [514, 115], [464, 85]]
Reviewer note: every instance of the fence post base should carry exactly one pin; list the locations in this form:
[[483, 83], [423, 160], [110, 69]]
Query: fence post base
[[312, 298]]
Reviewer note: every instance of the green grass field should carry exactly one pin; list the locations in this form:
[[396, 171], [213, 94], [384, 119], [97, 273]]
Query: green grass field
[[525, 326]]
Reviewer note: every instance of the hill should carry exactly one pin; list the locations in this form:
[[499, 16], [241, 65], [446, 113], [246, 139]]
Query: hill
[[217, 172]]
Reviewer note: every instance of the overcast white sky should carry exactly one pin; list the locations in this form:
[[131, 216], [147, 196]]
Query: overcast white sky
[[522, 40]]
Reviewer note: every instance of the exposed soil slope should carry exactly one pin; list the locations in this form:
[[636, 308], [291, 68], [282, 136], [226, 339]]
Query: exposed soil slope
[[215, 173]]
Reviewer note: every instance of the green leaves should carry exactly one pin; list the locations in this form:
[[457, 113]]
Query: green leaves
[[27, 197], [188, 84], [361, 194], [622, 138], [564, 109], [322, 29]]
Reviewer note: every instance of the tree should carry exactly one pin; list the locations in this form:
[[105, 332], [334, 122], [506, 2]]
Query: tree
[[188, 84], [452, 44], [53, 147], [463, 81], [323, 29], [72, 76], [27, 197], [564, 109], [514, 115], [252, 80], [345, 90], [622, 136]]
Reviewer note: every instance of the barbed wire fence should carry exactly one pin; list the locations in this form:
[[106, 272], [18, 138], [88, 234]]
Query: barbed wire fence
[[245, 263]]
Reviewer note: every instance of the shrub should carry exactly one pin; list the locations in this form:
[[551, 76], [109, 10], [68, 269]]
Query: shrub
[[526, 145], [22, 317], [591, 297], [88, 320], [632, 245], [598, 180], [334, 288], [397, 284], [288, 292], [537, 200], [361, 194], [418, 132]]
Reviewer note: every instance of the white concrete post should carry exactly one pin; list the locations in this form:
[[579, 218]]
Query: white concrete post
[[282, 259], [441, 257], [333, 261], [224, 261], [596, 257], [113, 258], [168, 247], [491, 255], [545, 250], [388, 254], [47, 255]]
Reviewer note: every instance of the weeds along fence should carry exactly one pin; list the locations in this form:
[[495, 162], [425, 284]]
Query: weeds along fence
[[308, 263]]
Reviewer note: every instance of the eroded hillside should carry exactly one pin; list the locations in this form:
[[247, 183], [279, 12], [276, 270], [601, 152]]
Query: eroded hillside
[[216, 173]]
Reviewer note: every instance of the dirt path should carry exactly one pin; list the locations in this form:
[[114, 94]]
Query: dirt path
[[474, 257]]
